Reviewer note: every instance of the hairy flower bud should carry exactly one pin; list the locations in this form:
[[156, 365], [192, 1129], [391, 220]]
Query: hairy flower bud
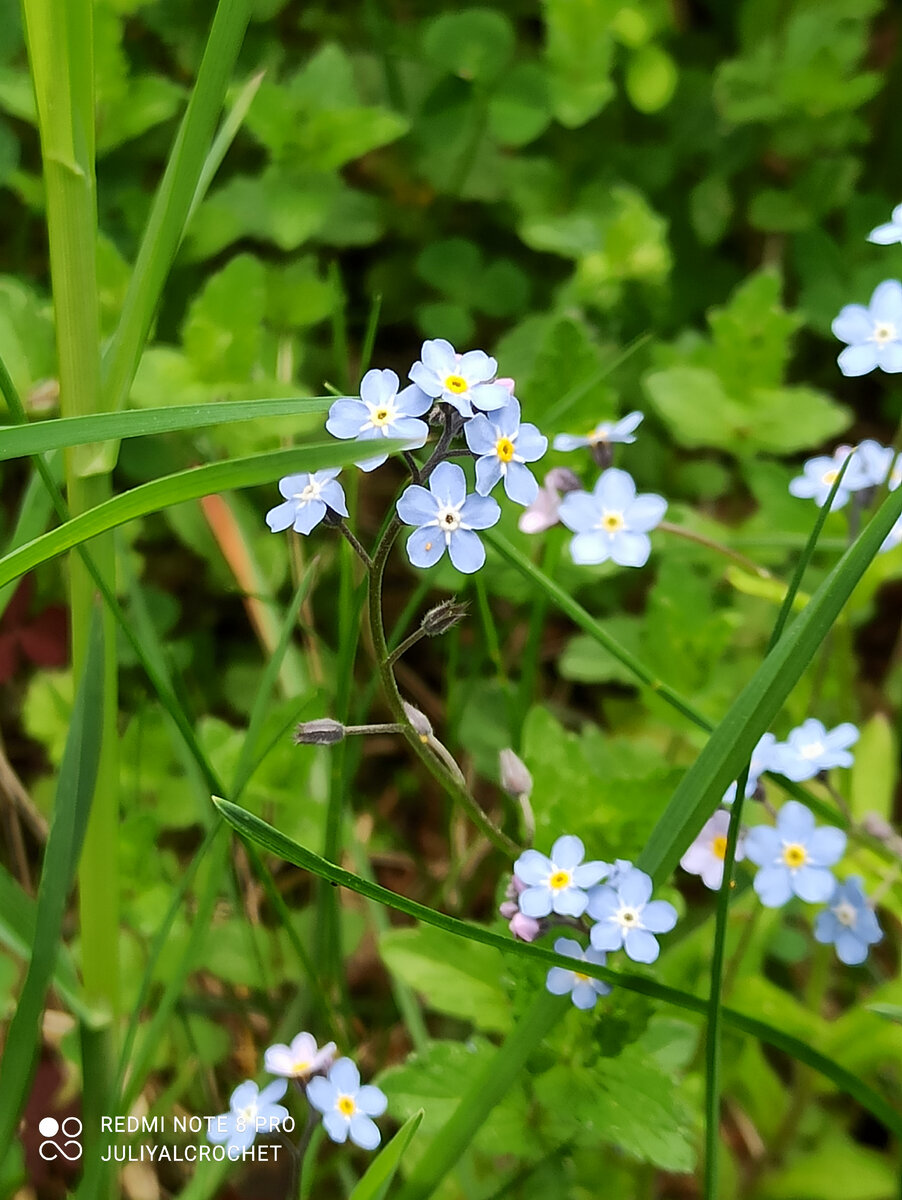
[[515, 779], [323, 732], [443, 617]]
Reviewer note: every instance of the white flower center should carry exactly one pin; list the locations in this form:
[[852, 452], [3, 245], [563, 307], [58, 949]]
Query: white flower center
[[448, 519], [845, 913], [627, 918], [310, 492], [884, 332], [248, 1116], [812, 750]]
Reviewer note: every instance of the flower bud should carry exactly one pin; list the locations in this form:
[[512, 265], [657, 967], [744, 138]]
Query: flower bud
[[527, 929], [323, 732], [443, 617], [515, 779], [418, 720]]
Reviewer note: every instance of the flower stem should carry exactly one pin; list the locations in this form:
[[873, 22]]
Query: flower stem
[[355, 545], [751, 568]]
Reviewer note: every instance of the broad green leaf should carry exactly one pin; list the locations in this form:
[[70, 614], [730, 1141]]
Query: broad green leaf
[[835, 1169], [520, 105], [580, 52], [475, 43], [651, 78], [876, 769], [380, 1174]]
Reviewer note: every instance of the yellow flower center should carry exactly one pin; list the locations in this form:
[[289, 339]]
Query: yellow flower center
[[580, 978], [456, 384], [599, 434], [719, 847], [795, 855], [301, 1066], [504, 448], [380, 416], [560, 879], [346, 1106], [829, 477], [612, 522]]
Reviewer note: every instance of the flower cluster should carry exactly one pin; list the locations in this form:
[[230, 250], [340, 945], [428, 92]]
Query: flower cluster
[[612, 902], [332, 1088]]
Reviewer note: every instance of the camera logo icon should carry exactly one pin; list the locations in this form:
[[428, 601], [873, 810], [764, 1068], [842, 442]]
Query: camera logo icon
[[61, 1139]]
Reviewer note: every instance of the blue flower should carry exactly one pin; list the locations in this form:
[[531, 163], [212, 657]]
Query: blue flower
[[794, 858], [583, 989], [873, 334], [503, 447], [849, 923], [763, 759], [306, 499], [886, 235], [381, 411], [810, 749], [612, 521], [605, 431], [462, 380], [557, 884], [818, 477], [627, 916], [347, 1107], [871, 464], [446, 517], [250, 1112]]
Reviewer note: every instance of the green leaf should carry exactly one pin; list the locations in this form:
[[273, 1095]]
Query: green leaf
[[520, 105], [465, 986], [474, 43], [580, 51], [223, 331], [835, 1169], [651, 78], [381, 1172], [875, 771]]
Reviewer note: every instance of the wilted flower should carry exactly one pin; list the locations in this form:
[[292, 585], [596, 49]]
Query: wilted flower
[[705, 857], [627, 916], [462, 380], [250, 1112], [443, 617], [543, 513], [794, 858], [503, 448], [811, 748], [300, 1058], [557, 884], [446, 517], [347, 1107], [849, 923], [873, 334], [612, 522], [307, 498], [583, 989], [381, 411]]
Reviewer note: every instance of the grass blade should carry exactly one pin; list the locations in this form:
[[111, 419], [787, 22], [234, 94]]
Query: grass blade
[[75, 789], [382, 1170], [234, 119]]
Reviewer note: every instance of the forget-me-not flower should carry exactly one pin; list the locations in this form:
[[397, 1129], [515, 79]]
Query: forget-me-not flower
[[611, 521], [819, 475], [812, 748], [873, 334], [626, 916], [300, 1058], [347, 1107], [871, 464], [557, 883], [886, 235], [462, 380], [583, 989], [849, 923], [250, 1112], [307, 497], [794, 859], [705, 857], [763, 759], [446, 517], [503, 447], [604, 431], [381, 411], [543, 513]]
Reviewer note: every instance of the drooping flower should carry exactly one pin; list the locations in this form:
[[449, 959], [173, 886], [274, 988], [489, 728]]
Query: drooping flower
[[626, 916], [381, 411], [347, 1107], [300, 1058], [464, 381], [503, 447], [446, 517], [307, 497], [611, 521], [583, 989], [763, 759], [849, 923], [557, 884], [543, 513], [705, 857], [886, 235], [605, 431], [873, 334], [794, 859], [811, 748], [250, 1112]]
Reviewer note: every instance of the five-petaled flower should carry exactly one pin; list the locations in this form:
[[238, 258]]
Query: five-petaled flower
[[763, 759], [611, 521], [811, 748], [705, 857], [347, 1107], [445, 517], [307, 497], [849, 923], [557, 883], [583, 989], [627, 916], [503, 448], [873, 334], [820, 473], [463, 380], [381, 411], [794, 859], [250, 1112], [604, 431], [889, 233], [300, 1058]]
